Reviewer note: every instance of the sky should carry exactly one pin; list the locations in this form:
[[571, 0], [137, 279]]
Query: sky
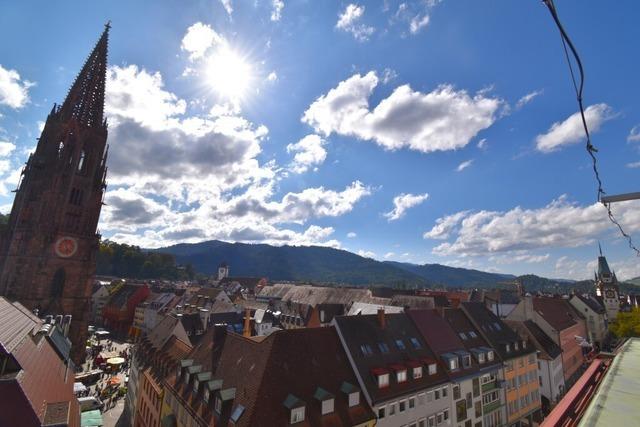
[[416, 131]]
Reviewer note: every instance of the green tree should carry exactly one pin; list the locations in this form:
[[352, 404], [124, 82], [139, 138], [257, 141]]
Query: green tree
[[627, 324]]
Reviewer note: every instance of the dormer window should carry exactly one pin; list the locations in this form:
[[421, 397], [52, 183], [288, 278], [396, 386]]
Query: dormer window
[[507, 348], [327, 406], [524, 344], [490, 355], [401, 376], [297, 415], [354, 399], [433, 369], [417, 373], [326, 400], [451, 361], [481, 357], [205, 396], [218, 405], [515, 345], [466, 360], [196, 384]]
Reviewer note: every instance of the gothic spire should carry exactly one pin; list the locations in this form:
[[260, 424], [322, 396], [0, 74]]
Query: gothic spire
[[85, 100]]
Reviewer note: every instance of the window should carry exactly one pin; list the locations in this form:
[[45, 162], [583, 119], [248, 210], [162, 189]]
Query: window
[[461, 410], [381, 412], [507, 347], [412, 402], [392, 409], [453, 364], [186, 377], [417, 372], [354, 399], [445, 391], [297, 415], [218, 407], [515, 345], [432, 369], [196, 383], [490, 355], [472, 334], [481, 357], [383, 380], [400, 345], [476, 387], [422, 422], [415, 343], [466, 360], [436, 394], [57, 284], [384, 348], [235, 416], [463, 336], [445, 414], [401, 376], [432, 421], [520, 361], [478, 409], [82, 161], [439, 418], [456, 392], [497, 326], [490, 397], [327, 406], [402, 406], [366, 350]]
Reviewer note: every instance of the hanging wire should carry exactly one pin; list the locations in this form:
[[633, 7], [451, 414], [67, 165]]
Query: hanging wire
[[591, 150]]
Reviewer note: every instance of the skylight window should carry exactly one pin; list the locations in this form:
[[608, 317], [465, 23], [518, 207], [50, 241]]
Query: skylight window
[[472, 334], [415, 343], [366, 350], [384, 348], [463, 336], [400, 345], [237, 413]]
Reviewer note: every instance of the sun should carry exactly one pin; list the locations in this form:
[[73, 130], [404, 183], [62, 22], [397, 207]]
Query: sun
[[229, 74]]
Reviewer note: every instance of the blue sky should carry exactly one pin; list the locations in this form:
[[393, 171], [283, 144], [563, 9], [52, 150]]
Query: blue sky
[[421, 131]]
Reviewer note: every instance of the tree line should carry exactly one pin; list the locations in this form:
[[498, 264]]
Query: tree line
[[122, 260]]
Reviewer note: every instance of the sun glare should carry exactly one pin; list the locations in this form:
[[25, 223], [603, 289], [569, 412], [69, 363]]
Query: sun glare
[[229, 74]]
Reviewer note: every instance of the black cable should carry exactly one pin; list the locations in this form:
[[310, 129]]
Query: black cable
[[591, 150]]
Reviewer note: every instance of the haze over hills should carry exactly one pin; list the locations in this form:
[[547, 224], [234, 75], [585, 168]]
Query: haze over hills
[[329, 265]]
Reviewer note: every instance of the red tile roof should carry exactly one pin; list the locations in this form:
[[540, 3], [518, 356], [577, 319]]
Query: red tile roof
[[556, 311]]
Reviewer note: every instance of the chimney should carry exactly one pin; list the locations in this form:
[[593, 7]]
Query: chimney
[[59, 320], [204, 317], [67, 323], [381, 319], [246, 332]]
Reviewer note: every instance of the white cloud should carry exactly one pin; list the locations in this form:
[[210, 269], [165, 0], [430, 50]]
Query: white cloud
[[567, 268], [351, 235], [309, 151], [634, 134], [528, 98], [198, 39], [388, 75], [14, 91], [462, 166], [276, 11], [6, 148], [559, 224], [272, 77], [366, 254], [418, 23], [445, 226], [444, 119], [571, 130], [482, 144], [388, 255], [181, 178], [349, 21], [633, 165], [404, 202], [521, 256], [228, 6]]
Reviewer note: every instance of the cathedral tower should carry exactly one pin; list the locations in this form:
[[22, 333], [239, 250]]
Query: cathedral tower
[[49, 247], [607, 287]]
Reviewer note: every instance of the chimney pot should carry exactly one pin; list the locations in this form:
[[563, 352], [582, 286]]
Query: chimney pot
[[381, 318], [247, 323]]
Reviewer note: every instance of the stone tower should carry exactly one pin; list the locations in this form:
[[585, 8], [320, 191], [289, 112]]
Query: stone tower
[[48, 249], [607, 287]]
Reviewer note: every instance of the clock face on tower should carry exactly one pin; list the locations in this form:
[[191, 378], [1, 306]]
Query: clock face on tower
[[609, 294], [66, 247]]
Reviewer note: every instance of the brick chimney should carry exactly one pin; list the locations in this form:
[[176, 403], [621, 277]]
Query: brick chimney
[[246, 331], [382, 321]]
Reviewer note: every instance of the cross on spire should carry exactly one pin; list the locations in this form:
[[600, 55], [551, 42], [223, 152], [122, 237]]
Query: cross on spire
[[85, 100]]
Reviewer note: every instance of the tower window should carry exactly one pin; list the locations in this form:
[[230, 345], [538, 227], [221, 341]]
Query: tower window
[[57, 284], [82, 161], [75, 198], [60, 149]]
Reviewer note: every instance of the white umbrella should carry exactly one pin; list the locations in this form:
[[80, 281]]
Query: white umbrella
[[79, 388]]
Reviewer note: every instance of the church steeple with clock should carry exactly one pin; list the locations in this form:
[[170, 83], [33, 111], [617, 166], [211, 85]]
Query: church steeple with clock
[[48, 249], [607, 287]]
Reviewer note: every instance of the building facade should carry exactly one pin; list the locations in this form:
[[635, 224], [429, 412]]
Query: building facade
[[595, 316], [48, 252]]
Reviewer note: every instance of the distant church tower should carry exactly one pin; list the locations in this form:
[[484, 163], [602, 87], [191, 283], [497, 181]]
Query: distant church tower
[[223, 271], [48, 250], [607, 287]]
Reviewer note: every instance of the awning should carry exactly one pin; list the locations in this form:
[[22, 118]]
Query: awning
[[79, 388], [116, 361], [91, 419]]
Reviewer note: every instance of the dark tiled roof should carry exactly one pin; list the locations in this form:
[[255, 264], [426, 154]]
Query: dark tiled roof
[[461, 323], [245, 282], [15, 409], [413, 301], [495, 331], [592, 303], [56, 414], [556, 311], [440, 337], [366, 330], [15, 324], [603, 266], [547, 347]]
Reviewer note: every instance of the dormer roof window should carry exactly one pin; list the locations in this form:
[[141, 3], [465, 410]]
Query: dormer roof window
[[516, 346], [296, 408], [490, 355], [451, 361], [507, 348], [352, 391], [401, 372], [382, 377], [326, 400]]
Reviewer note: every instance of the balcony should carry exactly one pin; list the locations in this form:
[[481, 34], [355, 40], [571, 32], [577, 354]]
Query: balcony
[[490, 407], [490, 386]]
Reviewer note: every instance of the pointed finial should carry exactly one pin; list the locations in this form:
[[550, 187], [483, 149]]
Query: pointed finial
[[600, 248], [107, 26]]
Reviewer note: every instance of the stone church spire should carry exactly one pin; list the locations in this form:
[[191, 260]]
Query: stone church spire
[[85, 100]]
